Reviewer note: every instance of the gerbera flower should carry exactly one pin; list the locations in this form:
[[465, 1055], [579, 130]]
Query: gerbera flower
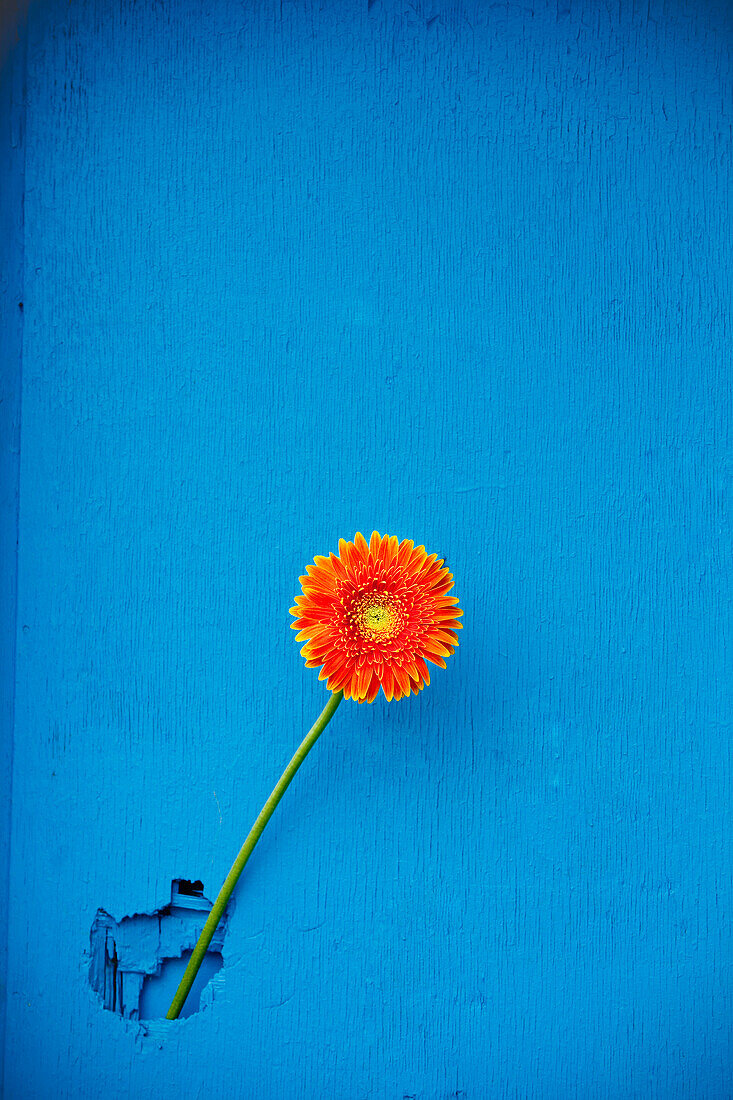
[[374, 615]]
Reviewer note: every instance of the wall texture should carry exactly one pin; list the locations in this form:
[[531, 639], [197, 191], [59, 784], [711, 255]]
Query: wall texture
[[12, 167], [460, 272]]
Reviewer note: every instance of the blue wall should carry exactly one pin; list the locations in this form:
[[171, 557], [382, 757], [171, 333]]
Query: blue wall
[[460, 272], [12, 165]]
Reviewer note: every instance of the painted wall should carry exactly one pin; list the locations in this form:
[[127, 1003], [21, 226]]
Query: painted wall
[[460, 272], [12, 164]]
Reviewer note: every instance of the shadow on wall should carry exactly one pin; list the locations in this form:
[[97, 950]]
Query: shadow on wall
[[137, 962]]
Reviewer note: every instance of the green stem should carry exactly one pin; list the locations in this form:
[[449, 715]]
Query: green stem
[[246, 851]]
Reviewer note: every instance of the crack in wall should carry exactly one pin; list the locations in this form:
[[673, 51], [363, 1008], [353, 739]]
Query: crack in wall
[[137, 962]]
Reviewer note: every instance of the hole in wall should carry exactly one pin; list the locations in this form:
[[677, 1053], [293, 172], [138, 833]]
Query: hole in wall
[[188, 889], [138, 961], [158, 989]]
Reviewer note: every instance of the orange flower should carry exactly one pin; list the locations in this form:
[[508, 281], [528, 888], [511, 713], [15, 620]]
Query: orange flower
[[374, 615]]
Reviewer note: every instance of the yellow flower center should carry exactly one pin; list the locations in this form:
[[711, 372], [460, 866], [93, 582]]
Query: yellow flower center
[[377, 616]]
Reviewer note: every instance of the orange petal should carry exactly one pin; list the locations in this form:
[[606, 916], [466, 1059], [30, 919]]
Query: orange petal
[[411, 670], [417, 557], [373, 690], [392, 549], [423, 669], [425, 567], [402, 680], [361, 545], [323, 564], [406, 548], [352, 559], [364, 678], [317, 575], [342, 677], [387, 683], [338, 567]]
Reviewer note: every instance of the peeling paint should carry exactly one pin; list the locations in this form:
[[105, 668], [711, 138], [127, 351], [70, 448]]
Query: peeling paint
[[137, 962]]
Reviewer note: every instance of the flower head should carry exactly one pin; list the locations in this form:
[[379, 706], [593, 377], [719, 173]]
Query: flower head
[[373, 616]]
